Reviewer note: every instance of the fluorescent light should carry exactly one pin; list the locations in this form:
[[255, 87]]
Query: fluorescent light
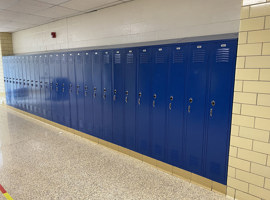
[[250, 2]]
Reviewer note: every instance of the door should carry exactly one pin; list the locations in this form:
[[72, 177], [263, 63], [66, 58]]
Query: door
[[143, 97], [159, 84], [37, 87], [80, 90], [65, 90], [41, 86], [97, 99], [47, 85], [219, 109], [107, 95], [175, 104], [118, 97], [72, 91], [130, 97], [196, 89], [88, 101]]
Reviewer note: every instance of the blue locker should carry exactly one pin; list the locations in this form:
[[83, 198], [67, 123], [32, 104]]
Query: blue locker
[[144, 97], [15, 91], [196, 90], [52, 86], [19, 84], [130, 75], [28, 83], [5, 69], [65, 89], [107, 95], [159, 96], [32, 84], [219, 109], [37, 88], [175, 104], [72, 91], [47, 86], [97, 99], [8, 80], [88, 101], [118, 97], [24, 83], [80, 90], [42, 105], [58, 92]]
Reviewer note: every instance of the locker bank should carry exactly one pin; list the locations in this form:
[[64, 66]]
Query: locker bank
[[137, 99]]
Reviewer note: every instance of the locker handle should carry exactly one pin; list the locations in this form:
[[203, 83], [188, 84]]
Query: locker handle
[[104, 96], [126, 99], [63, 90], [77, 91], [154, 103], [94, 94], [189, 109], [114, 97], [85, 93], [170, 106], [139, 101], [211, 112], [56, 89]]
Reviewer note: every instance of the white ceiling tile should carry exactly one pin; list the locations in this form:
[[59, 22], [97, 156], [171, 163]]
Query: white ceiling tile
[[7, 3], [54, 2], [28, 6], [84, 5], [57, 12]]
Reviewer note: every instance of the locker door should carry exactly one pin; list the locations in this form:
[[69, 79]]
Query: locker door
[[5, 68], [19, 63], [37, 87], [16, 87], [7, 85], [72, 92], [88, 103], [196, 89], [97, 100], [79, 90], [47, 85], [41, 85], [52, 86], [58, 92], [130, 97], [32, 84], [219, 109], [24, 83], [159, 106], [144, 97], [107, 95], [118, 97], [28, 83], [175, 104], [65, 88]]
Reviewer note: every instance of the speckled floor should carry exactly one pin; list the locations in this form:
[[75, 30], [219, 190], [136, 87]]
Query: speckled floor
[[38, 161]]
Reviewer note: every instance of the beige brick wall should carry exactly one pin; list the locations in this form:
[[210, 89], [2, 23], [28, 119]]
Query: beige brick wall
[[249, 158], [6, 48]]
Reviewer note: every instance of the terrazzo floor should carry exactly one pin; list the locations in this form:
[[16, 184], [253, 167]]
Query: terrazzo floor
[[39, 161]]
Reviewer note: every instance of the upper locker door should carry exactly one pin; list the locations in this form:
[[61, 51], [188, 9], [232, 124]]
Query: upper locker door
[[58, 90], [80, 90], [175, 104], [72, 91], [130, 97], [219, 109], [52, 86], [24, 81], [65, 89], [159, 106], [97, 93], [28, 86], [196, 89], [48, 107], [20, 86], [32, 83], [144, 103], [88, 104], [118, 97], [107, 95], [37, 88], [16, 91], [5, 68]]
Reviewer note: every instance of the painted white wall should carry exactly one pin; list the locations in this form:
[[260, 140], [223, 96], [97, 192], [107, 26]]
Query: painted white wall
[[133, 22]]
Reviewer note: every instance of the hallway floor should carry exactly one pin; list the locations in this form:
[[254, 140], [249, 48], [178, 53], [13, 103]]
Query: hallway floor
[[39, 161]]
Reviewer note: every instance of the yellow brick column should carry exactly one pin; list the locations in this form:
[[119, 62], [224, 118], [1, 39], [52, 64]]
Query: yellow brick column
[[6, 48], [249, 160]]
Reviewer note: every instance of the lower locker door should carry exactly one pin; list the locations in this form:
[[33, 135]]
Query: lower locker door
[[219, 111]]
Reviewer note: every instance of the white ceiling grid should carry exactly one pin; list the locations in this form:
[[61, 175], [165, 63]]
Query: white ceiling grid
[[17, 15]]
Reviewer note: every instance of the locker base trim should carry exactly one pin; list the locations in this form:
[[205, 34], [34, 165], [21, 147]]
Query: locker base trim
[[175, 171]]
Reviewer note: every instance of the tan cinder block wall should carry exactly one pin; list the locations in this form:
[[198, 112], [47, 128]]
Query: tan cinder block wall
[[6, 48], [249, 161]]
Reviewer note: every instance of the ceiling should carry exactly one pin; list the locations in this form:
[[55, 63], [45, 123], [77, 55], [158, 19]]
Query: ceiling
[[17, 15]]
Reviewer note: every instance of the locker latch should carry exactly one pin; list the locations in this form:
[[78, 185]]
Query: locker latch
[[154, 101], [213, 103], [104, 93], [78, 87], [126, 98], [95, 94], [114, 96]]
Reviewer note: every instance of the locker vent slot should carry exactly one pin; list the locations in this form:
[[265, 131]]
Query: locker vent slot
[[117, 58], [160, 58], [130, 58], [178, 57], [223, 55], [198, 56], [107, 59], [144, 58]]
